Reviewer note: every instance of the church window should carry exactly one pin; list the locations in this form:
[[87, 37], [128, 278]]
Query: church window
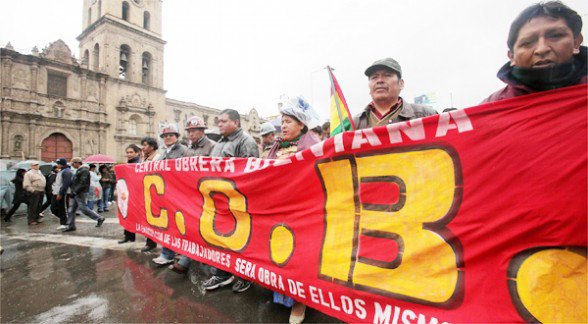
[[123, 65], [96, 57], [56, 84], [134, 125], [86, 59], [146, 20], [89, 16], [146, 68], [125, 11]]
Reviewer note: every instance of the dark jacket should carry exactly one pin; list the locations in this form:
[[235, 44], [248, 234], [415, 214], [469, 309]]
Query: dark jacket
[[50, 179], [66, 178], [238, 144], [514, 88], [19, 193], [306, 140], [202, 147], [106, 178], [407, 112], [81, 181], [177, 151], [136, 159]]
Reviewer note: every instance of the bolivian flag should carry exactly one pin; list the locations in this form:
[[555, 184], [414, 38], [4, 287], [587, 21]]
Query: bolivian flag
[[341, 120]]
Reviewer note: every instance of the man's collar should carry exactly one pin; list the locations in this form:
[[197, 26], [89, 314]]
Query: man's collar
[[406, 110], [232, 136], [200, 142]]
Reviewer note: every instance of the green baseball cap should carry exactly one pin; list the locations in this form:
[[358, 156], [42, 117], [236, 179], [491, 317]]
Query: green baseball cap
[[388, 62]]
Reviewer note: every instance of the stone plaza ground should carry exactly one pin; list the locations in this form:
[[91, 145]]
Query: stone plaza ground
[[85, 276]]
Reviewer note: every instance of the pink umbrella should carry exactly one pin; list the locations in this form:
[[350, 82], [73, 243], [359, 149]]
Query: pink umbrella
[[99, 158]]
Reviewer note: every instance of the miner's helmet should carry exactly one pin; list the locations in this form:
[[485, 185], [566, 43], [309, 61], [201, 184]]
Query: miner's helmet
[[267, 128], [170, 129], [195, 122]]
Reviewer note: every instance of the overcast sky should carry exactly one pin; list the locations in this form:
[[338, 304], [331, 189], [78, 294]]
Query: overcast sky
[[242, 54]]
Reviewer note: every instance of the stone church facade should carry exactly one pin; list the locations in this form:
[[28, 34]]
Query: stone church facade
[[54, 105]]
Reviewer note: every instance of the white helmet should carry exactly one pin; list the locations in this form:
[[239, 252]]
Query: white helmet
[[267, 128], [170, 129], [195, 122]]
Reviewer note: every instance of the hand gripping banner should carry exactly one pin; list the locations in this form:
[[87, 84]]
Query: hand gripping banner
[[476, 215]]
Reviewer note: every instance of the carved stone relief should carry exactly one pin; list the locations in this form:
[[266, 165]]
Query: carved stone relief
[[92, 93], [18, 142], [58, 51], [20, 79]]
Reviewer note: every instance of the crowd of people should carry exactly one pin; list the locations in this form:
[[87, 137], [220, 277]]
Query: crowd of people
[[544, 52], [69, 189]]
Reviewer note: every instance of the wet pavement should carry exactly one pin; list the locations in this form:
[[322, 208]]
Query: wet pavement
[[85, 276]]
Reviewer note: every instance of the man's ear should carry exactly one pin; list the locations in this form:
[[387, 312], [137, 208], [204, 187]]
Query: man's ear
[[577, 43], [510, 55], [401, 83]]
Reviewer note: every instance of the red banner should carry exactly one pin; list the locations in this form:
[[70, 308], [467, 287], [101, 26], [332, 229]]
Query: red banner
[[476, 215]]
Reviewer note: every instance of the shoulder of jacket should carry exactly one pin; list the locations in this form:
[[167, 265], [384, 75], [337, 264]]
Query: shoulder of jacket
[[422, 109], [246, 138]]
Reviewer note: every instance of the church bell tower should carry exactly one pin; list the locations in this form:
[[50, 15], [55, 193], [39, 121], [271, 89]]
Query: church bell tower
[[121, 39]]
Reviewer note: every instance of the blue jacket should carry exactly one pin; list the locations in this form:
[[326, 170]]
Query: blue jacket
[[66, 177]]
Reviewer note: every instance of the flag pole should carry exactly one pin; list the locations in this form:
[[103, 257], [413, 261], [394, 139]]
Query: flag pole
[[334, 91]]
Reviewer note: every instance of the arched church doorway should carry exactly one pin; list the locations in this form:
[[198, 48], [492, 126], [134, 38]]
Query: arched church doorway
[[56, 146]]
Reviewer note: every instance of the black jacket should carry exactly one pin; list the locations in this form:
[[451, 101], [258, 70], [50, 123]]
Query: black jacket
[[50, 180], [81, 181], [66, 177], [19, 193]]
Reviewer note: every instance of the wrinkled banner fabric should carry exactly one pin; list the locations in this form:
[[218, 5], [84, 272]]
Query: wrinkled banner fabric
[[476, 215]]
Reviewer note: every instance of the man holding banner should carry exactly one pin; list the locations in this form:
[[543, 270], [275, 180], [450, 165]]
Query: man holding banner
[[387, 107], [233, 143], [477, 215], [173, 150], [544, 51]]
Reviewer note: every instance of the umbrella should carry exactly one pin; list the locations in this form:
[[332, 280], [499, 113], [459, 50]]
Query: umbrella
[[99, 158]]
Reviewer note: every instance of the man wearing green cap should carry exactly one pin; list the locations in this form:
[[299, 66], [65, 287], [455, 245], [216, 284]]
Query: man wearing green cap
[[387, 107]]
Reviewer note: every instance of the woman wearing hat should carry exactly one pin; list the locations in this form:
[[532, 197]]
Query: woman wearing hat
[[295, 135], [295, 138]]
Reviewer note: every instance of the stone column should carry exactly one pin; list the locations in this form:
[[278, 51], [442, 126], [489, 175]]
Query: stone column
[[106, 65], [7, 82], [34, 103], [4, 149], [83, 128], [84, 114], [83, 85], [34, 80], [150, 124], [102, 94], [32, 147], [102, 140]]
